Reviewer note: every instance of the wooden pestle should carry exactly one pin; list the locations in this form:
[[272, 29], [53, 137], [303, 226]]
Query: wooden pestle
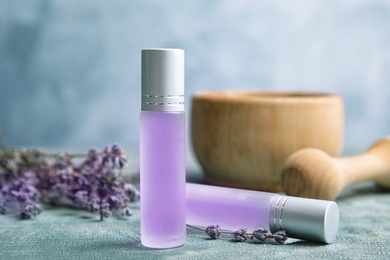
[[312, 173]]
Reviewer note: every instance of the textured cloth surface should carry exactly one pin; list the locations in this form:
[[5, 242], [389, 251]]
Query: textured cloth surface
[[69, 233]]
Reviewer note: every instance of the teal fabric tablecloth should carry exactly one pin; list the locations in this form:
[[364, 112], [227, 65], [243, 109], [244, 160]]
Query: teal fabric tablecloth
[[69, 233]]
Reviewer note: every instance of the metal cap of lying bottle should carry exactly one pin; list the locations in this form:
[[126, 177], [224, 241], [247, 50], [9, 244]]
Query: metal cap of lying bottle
[[309, 219], [162, 80]]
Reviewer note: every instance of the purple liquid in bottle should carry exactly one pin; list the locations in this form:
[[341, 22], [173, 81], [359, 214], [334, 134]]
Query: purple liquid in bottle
[[230, 208], [162, 153]]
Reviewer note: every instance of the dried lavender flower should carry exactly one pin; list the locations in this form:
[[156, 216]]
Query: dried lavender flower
[[30, 209], [241, 234], [132, 192], [93, 206], [262, 234], [105, 210], [81, 198], [280, 236], [214, 231], [114, 156], [127, 212]]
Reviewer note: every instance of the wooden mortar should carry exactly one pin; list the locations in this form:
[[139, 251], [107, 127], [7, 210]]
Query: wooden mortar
[[241, 139]]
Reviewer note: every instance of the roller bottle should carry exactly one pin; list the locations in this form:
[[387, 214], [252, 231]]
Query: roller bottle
[[162, 149], [232, 209]]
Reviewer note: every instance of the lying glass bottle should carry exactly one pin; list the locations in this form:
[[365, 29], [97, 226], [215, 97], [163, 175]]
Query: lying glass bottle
[[309, 219]]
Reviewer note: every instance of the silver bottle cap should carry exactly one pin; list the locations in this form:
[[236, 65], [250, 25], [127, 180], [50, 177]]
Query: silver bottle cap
[[162, 80], [309, 219]]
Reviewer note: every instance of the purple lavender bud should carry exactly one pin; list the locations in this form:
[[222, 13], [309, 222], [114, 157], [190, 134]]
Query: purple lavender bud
[[132, 192], [114, 156], [61, 188], [21, 197], [93, 207], [93, 154], [81, 197], [62, 161], [280, 236], [241, 234], [214, 231], [25, 215], [14, 193], [31, 191], [30, 209], [127, 212], [261, 234], [105, 210], [30, 177], [117, 199], [118, 158], [37, 209]]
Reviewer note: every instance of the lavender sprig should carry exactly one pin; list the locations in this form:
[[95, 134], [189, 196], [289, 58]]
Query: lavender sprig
[[241, 235], [95, 183]]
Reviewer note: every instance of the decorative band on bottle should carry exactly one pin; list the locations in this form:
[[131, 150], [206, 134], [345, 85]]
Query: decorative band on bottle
[[163, 103], [167, 96], [276, 213]]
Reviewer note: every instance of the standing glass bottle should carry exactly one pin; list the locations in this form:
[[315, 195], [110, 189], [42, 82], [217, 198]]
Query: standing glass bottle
[[162, 149]]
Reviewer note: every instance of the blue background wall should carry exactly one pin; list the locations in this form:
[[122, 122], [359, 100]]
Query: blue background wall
[[70, 69]]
